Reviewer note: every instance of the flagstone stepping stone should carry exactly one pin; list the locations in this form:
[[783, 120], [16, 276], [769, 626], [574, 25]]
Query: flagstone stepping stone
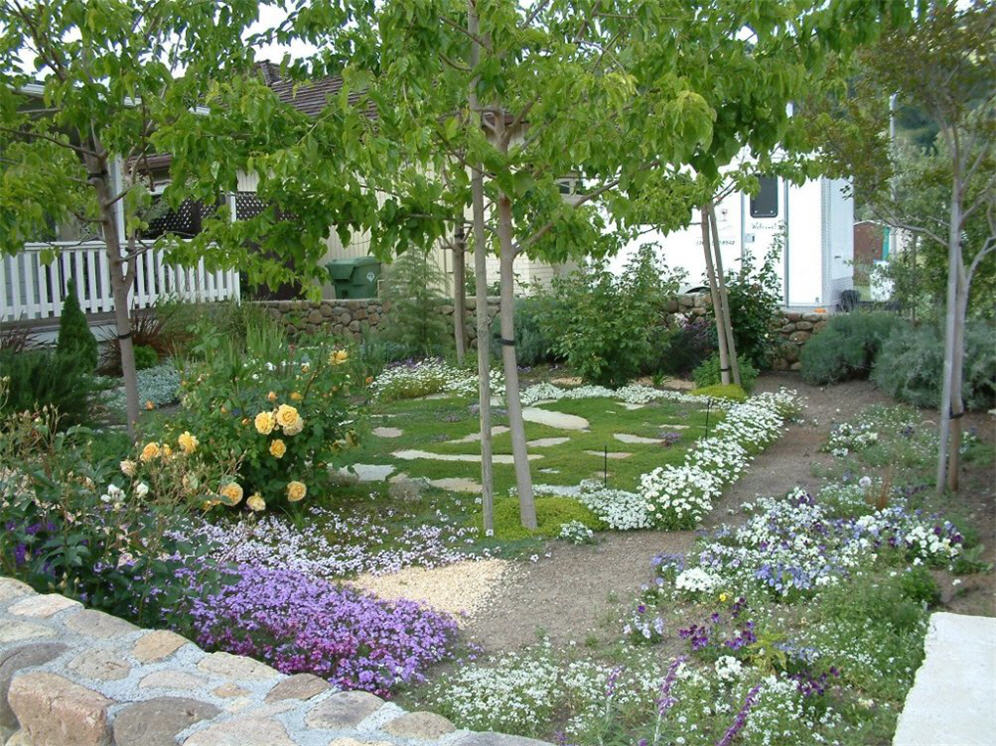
[[388, 432], [498, 458], [559, 420], [456, 484], [547, 442], [610, 454], [630, 405], [675, 427], [627, 438], [549, 470], [474, 437], [370, 472]]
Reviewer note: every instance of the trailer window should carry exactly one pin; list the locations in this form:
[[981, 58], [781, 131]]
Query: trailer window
[[764, 204]]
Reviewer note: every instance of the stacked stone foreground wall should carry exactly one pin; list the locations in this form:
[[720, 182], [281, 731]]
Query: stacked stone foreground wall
[[71, 676], [350, 318]]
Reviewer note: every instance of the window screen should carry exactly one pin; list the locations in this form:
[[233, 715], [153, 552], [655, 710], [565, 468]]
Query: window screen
[[764, 204]]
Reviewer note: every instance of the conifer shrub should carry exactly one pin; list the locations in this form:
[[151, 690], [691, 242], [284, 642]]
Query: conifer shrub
[[847, 346], [76, 341], [910, 366], [412, 287], [44, 377], [708, 372]]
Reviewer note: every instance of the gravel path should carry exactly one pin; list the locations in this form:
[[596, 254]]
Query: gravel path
[[574, 594]]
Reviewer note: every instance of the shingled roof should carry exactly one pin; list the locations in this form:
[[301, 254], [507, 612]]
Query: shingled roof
[[307, 97]]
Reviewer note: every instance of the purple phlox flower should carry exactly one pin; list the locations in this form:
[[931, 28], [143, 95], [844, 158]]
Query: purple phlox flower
[[610, 684], [741, 718]]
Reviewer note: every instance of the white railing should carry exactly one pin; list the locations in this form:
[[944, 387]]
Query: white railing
[[32, 290]]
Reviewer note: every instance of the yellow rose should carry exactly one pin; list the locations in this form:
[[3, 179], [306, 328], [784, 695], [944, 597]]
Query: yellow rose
[[151, 451], [339, 357], [256, 502], [265, 423], [295, 396], [295, 427], [278, 448], [231, 493], [286, 415], [188, 442], [272, 396], [167, 450], [296, 491]]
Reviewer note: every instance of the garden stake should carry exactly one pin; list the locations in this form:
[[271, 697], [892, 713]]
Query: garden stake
[[708, 407], [605, 467]]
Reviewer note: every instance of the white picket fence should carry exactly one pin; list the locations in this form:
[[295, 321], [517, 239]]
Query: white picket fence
[[31, 290]]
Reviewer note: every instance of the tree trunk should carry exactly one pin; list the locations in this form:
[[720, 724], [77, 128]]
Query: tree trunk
[[122, 272], [957, 376], [717, 308], [724, 297], [950, 337], [523, 479], [481, 293], [460, 292]]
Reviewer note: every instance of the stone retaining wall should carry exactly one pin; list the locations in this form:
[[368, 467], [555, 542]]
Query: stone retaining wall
[[75, 676], [351, 317]]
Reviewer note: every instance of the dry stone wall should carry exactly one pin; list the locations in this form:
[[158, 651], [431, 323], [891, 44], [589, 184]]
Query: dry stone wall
[[71, 676], [350, 317]]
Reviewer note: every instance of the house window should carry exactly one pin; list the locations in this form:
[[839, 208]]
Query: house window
[[764, 204]]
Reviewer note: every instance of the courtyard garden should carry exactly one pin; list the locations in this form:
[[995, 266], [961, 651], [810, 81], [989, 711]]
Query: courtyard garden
[[706, 569]]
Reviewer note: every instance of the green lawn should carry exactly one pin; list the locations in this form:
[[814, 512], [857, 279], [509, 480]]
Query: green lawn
[[432, 424]]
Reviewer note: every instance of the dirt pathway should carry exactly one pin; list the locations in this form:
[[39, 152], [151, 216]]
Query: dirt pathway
[[575, 593]]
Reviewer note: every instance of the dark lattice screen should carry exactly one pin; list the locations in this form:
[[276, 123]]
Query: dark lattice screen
[[248, 205]]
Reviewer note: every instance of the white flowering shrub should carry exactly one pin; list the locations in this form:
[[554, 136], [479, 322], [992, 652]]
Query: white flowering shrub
[[695, 580], [678, 497], [576, 532], [619, 509]]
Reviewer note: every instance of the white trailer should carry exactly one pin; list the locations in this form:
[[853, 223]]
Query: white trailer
[[815, 221]]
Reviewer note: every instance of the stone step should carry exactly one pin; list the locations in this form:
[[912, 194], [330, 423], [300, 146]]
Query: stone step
[[953, 699]]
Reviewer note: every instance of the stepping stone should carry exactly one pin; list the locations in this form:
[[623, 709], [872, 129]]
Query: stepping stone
[[610, 454], [631, 406], [456, 484], [546, 442], [675, 427], [370, 472], [387, 432], [627, 438], [551, 418], [498, 458], [474, 437], [549, 470]]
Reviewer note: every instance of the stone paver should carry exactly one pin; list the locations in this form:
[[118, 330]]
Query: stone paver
[[457, 484], [551, 418], [236, 667], [11, 589], [172, 679], [476, 437], [157, 645], [343, 710], [953, 695], [635, 439], [156, 722], [498, 458], [547, 442], [244, 731], [53, 710], [298, 686], [388, 432], [42, 606], [610, 454], [17, 659], [369, 472], [422, 725], [99, 624], [103, 665], [14, 631]]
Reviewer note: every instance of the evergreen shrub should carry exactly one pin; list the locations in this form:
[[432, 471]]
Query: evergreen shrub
[[708, 373], [76, 341], [910, 366], [44, 377], [847, 347], [412, 288]]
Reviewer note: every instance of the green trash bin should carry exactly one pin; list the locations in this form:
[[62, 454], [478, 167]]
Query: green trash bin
[[354, 278]]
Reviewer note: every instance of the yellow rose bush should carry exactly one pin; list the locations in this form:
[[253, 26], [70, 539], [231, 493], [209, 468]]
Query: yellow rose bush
[[284, 420]]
